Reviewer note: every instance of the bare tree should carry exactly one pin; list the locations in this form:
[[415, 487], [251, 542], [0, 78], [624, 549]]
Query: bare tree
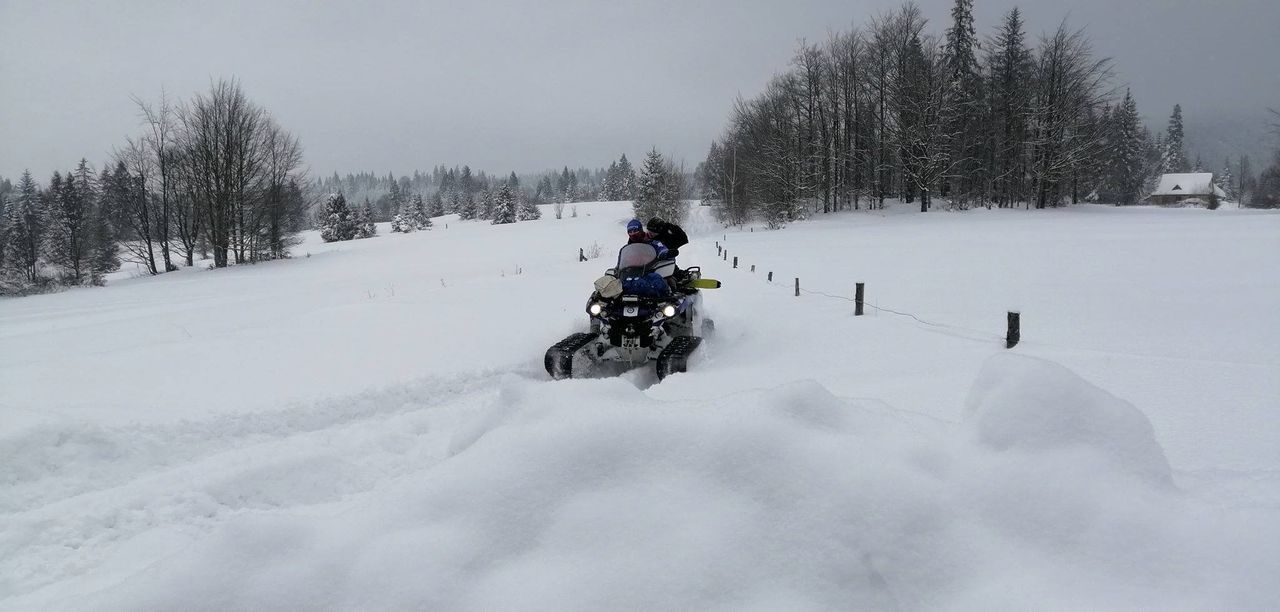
[[894, 111], [159, 143], [282, 209], [188, 219], [1069, 83], [134, 169], [923, 107], [220, 132], [814, 142]]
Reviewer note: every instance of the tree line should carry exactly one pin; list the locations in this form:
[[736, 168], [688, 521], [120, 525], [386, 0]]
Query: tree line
[[459, 189], [893, 111], [215, 177]]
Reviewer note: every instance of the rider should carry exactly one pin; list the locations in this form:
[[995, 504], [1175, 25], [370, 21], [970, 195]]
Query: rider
[[673, 237], [650, 283], [636, 233], [668, 234]]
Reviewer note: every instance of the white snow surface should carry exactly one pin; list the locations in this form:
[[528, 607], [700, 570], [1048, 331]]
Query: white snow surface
[[368, 426]]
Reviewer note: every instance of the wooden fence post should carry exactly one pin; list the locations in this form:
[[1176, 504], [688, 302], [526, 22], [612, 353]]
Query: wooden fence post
[[726, 254], [735, 262], [581, 256], [797, 286], [857, 299], [771, 276], [1015, 330]]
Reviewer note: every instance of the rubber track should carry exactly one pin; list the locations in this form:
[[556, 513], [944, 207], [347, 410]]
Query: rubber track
[[559, 358], [675, 358]]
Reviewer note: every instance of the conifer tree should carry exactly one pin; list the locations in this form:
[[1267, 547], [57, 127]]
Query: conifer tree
[[484, 208], [437, 205], [26, 230], [1126, 174], [626, 179], [4, 231], [965, 118], [1225, 181], [504, 206], [6, 188], [397, 198], [546, 191], [419, 217], [466, 182], [400, 219], [467, 207], [609, 188], [526, 209], [562, 185], [337, 222], [104, 227], [87, 180], [1011, 67], [69, 239], [1266, 192], [658, 190], [365, 227], [1175, 152], [400, 223], [105, 257]]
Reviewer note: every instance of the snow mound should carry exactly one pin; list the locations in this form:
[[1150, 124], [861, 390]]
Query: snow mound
[[1035, 406], [592, 494]]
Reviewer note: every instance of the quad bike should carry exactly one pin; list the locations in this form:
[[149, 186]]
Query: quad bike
[[643, 310]]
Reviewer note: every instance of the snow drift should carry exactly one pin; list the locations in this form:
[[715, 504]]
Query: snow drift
[[589, 494]]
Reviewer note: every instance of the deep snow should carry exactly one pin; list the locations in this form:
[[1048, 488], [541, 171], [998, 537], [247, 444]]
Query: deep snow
[[369, 426]]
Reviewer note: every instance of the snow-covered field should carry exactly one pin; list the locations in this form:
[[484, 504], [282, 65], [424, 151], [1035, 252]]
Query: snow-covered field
[[370, 427]]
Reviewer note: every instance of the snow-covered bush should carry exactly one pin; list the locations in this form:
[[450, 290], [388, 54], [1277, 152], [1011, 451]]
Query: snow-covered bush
[[336, 221]]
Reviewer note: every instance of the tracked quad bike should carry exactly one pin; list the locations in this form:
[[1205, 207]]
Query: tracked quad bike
[[643, 310]]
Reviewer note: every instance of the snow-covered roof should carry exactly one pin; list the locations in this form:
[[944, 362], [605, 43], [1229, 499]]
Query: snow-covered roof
[[1188, 184]]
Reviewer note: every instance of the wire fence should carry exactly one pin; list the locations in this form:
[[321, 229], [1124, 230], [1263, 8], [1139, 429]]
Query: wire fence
[[1011, 336]]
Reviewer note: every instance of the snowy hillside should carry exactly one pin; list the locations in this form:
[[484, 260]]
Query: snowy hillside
[[368, 425]]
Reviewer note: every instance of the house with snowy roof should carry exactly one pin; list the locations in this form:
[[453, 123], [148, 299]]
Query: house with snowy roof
[[1187, 189]]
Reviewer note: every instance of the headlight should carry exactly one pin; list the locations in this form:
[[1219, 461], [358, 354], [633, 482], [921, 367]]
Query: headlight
[[669, 311], [595, 309]]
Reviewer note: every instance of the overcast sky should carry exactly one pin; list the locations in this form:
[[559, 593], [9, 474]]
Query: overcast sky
[[398, 85]]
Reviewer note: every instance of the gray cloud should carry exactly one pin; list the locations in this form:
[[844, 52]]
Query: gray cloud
[[393, 86]]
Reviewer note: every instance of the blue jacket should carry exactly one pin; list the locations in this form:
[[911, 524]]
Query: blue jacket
[[650, 285], [663, 252]]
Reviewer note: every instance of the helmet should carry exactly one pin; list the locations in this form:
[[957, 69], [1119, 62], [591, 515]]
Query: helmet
[[634, 226]]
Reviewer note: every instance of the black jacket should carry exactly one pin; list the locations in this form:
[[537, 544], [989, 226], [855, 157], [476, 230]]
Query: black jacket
[[670, 235]]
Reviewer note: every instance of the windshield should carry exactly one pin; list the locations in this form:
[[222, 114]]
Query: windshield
[[637, 254]]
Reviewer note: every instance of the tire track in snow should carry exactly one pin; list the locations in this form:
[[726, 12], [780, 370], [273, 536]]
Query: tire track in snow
[[70, 496], [50, 463]]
